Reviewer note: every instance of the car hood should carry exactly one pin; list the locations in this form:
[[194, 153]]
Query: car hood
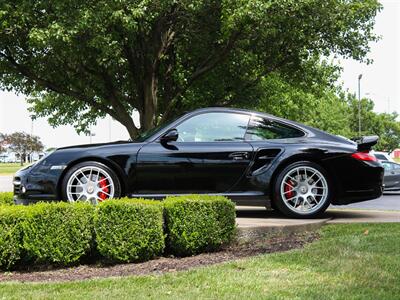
[[119, 152], [96, 145]]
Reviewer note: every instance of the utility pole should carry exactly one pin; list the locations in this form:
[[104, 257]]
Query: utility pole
[[359, 105], [91, 134], [109, 128]]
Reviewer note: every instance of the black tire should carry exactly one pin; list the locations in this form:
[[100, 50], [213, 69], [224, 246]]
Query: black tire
[[73, 169], [278, 198]]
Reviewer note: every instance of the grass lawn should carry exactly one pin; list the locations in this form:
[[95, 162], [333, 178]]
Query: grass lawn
[[347, 263], [9, 169], [397, 159]]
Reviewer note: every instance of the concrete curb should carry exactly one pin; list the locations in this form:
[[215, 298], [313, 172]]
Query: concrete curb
[[250, 233], [260, 224]]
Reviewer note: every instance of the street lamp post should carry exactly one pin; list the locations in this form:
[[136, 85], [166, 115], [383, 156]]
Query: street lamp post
[[359, 105], [91, 134]]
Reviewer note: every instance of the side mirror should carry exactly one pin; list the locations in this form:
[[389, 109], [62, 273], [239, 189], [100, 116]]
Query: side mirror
[[171, 136]]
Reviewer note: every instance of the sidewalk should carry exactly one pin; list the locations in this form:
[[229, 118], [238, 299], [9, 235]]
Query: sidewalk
[[6, 183], [259, 223]]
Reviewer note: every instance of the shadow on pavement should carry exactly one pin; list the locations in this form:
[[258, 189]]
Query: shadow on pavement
[[394, 193]]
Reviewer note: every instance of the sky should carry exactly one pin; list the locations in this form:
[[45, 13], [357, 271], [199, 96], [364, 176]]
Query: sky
[[380, 82]]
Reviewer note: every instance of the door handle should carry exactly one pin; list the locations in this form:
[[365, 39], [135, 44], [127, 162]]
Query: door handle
[[239, 155]]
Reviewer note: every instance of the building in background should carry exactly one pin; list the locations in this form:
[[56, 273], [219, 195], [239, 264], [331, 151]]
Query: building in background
[[396, 153]]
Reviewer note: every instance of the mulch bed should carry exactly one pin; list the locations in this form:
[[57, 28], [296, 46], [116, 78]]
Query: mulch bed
[[160, 265]]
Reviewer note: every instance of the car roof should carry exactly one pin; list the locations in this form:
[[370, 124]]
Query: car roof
[[309, 131], [231, 109]]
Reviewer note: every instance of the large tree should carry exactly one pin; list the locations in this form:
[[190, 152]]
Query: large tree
[[80, 60], [23, 144]]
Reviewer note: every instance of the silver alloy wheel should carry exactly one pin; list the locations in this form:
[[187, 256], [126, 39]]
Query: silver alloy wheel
[[304, 190], [90, 184]]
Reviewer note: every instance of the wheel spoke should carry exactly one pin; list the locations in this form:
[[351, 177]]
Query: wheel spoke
[[289, 185], [313, 198], [311, 177], [293, 179], [289, 191]]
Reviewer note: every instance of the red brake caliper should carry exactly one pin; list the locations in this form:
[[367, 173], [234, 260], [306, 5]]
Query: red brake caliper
[[103, 183], [289, 189]]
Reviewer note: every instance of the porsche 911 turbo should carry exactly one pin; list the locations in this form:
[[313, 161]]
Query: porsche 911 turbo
[[250, 157]]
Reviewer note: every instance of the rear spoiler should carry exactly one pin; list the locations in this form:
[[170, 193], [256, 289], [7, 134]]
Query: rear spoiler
[[365, 143]]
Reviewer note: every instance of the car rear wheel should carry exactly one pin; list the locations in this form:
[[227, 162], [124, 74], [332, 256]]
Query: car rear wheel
[[91, 182], [302, 190]]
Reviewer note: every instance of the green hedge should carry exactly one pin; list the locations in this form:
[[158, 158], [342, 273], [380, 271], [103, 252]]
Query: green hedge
[[129, 229], [123, 230], [10, 235], [198, 223], [6, 198], [59, 233]]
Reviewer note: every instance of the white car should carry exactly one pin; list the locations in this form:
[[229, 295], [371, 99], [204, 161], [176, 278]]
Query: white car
[[382, 156]]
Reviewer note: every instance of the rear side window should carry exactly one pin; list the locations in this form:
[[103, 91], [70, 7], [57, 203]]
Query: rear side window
[[380, 157], [261, 129]]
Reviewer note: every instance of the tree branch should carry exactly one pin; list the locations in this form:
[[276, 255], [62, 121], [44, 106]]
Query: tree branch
[[208, 64], [47, 84]]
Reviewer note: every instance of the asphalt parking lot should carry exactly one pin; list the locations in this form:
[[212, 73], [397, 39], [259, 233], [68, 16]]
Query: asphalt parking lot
[[389, 201]]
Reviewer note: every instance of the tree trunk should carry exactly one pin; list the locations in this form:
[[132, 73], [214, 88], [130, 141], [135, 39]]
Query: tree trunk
[[130, 126], [148, 117]]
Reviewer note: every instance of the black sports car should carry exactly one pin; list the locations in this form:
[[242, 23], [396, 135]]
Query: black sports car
[[252, 158]]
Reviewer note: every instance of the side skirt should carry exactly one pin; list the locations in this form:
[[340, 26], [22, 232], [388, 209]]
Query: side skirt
[[241, 198]]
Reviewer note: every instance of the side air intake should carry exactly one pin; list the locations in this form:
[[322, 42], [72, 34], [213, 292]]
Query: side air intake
[[263, 159]]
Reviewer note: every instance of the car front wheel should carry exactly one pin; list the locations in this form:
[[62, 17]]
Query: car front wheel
[[302, 190], [91, 182]]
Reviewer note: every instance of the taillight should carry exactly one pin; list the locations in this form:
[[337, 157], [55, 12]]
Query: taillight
[[364, 156]]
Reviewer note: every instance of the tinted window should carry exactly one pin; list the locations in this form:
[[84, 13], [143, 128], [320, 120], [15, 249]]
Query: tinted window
[[212, 127], [380, 157], [264, 129]]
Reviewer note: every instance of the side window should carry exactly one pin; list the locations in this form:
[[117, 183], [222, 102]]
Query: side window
[[213, 127], [261, 129], [380, 156], [387, 166]]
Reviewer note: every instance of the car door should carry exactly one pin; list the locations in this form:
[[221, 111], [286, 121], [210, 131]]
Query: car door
[[391, 177], [396, 169], [209, 156]]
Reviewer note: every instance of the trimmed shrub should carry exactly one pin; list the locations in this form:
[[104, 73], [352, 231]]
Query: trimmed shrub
[[6, 198], [129, 230], [59, 233], [198, 223], [11, 218]]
